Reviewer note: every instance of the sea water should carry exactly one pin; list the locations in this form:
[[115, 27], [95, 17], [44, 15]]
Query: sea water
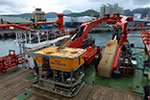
[[101, 39]]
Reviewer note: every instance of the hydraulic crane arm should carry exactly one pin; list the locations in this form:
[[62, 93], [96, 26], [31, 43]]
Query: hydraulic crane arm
[[112, 51], [59, 22], [89, 25], [106, 65], [18, 26], [82, 31], [37, 23], [81, 34], [123, 24]]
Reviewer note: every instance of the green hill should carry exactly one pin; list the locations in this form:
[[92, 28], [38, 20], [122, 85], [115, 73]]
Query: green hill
[[85, 13]]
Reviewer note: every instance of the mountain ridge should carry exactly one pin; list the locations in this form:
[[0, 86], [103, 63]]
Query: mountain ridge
[[90, 12]]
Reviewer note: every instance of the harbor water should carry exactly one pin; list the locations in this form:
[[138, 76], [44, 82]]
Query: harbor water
[[101, 39], [6, 45]]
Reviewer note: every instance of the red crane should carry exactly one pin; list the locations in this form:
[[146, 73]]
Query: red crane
[[80, 35], [20, 26]]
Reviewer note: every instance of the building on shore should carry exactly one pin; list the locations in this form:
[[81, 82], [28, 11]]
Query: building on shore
[[110, 9], [137, 16], [38, 15], [148, 15], [72, 21]]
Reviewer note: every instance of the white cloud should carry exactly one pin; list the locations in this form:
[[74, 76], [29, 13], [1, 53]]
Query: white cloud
[[27, 6]]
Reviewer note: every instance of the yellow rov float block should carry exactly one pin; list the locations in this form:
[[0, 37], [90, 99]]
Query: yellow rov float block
[[62, 58], [60, 70]]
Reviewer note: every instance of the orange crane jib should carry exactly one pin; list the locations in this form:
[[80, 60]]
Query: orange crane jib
[[21, 26]]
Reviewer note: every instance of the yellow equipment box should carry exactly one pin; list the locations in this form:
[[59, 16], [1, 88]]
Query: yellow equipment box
[[61, 58]]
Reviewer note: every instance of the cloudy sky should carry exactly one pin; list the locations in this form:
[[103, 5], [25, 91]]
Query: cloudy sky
[[26, 6]]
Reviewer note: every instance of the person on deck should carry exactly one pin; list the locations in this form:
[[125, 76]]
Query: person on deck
[[147, 92]]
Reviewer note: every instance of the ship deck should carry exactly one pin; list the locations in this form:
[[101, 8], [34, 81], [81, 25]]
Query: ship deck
[[17, 85]]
